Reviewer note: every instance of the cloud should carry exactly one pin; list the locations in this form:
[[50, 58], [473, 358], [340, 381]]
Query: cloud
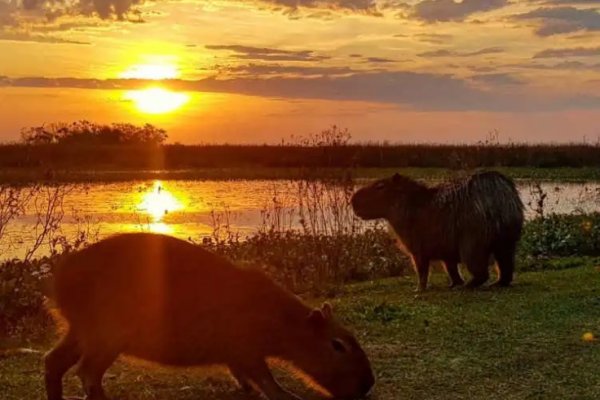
[[453, 53], [568, 65], [436, 38], [450, 10], [13, 12], [566, 2], [379, 60], [369, 6], [279, 70], [557, 20], [498, 79], [413, 90], [267, 54], [30, 37], [103, 8], [569, 52]]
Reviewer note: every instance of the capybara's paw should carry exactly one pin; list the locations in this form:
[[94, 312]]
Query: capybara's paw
[[500, 284], [456, 284], [474, 284]]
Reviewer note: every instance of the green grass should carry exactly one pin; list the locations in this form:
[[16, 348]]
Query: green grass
[[24, 175], [518, 343]]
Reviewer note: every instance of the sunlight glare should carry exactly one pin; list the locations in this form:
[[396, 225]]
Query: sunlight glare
[[159, 202], [156, 100], [151, 72]]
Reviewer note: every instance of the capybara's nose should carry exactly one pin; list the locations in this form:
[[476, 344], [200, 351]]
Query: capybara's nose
[[367, 385]]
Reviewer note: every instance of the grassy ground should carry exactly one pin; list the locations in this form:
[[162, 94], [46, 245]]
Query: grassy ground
[[518, 343], [22, 175]]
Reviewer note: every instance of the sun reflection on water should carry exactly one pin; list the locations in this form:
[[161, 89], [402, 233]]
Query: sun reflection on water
[[158, 203]]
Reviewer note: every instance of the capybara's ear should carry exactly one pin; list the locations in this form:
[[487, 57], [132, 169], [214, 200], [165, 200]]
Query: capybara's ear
[[316, 318], [397, 178], [327, 310]]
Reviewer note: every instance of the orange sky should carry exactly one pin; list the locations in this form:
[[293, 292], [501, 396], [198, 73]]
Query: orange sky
[[262, 70]]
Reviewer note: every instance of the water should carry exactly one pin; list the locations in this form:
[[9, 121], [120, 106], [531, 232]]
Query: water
[[192, 209]]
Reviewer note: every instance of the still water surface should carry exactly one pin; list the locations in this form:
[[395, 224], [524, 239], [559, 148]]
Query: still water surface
[[191, 209]]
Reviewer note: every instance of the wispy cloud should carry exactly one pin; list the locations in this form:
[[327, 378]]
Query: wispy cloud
[[498, 79], [379, 60], [417, 91], [267, 70], [450, 10], [436, 38], [267, 54], [454, 53], [351, 5], [557, 20], [38, 38], [569, 52]]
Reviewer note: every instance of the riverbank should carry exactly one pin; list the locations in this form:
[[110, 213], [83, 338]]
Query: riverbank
[[29, 175]]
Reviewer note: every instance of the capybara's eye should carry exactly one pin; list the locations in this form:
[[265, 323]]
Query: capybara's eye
[[338, 346], [379, 185]]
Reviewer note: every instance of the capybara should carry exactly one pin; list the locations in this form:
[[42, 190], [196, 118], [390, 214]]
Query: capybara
[[464, 221], [168, 301]]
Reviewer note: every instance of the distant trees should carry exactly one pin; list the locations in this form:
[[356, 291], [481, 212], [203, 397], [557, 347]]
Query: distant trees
[[90, 133]]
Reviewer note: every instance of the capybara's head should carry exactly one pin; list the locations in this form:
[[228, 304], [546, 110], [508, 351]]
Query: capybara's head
[[331, 356], [377, 199]]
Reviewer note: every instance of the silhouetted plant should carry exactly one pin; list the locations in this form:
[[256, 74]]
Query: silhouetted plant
[[90, 133]]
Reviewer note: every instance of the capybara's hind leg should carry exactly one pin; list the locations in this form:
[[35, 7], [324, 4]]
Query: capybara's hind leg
[[91, 370], [56, 364], [422, 269], [505, 258], [478, 266], [266, 383], [453, 273]]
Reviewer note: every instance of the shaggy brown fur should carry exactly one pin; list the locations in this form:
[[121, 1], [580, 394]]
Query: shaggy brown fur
[[165, 300], [466, 221]]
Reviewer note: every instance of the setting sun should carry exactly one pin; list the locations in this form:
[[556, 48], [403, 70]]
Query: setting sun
[[156, 100]]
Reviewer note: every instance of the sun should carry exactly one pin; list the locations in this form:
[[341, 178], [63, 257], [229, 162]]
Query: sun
[[156, 100], [159, 202]]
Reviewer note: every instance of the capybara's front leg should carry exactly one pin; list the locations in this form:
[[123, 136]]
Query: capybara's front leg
[[57, 362], [422, 270], [266, 383], [91, 370]]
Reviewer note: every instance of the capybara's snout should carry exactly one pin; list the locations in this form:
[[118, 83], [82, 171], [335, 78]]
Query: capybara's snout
[[368, 384]]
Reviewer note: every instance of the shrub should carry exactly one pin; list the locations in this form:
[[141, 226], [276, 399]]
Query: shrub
[[89, 133], [21, 292], [316, 263], [562, 236]]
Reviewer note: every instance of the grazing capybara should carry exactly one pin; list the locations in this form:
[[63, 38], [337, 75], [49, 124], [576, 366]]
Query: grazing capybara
[[165, 300], [467, 220]]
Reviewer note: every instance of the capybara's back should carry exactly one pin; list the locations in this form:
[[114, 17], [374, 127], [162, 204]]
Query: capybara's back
[[166, 300]]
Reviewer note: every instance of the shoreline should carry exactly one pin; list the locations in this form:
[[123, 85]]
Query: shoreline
[[18, 176]]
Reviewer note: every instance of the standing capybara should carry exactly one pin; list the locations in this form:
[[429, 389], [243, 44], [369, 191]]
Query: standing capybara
[[165, 300], [466, 221]]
